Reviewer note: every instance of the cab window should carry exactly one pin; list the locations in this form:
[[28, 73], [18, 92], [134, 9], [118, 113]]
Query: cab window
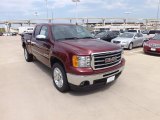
[[37, 30], [44, 31]]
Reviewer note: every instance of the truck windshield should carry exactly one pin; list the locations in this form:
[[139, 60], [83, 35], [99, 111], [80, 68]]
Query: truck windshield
[[68, 32]]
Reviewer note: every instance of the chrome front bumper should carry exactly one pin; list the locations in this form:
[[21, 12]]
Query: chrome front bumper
[[78, 79], [125, 45]]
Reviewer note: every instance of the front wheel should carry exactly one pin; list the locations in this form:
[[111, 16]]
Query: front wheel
[[130, 47], [28, 57], [59, 78]]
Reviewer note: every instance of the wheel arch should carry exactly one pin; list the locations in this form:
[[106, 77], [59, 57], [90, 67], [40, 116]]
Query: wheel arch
[[24, 45], [54, 60]]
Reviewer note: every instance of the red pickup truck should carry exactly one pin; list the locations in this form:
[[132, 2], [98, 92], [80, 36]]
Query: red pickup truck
[[77, 60]]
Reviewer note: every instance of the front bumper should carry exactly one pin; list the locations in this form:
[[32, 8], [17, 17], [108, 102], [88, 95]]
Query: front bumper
[[148, 50], [77, 80], [123, 45]]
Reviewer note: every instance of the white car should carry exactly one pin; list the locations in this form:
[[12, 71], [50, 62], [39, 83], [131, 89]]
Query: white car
[[7, 34]]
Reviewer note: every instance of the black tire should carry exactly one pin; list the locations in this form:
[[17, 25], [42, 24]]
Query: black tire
[[61, 86], [28, 57], [130, 47]]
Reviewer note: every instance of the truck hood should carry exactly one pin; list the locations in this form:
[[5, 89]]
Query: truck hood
[[88, 46]]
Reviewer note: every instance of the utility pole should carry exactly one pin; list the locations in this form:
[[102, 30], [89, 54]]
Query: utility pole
[[127, 18], [76, 14], [157, 15], [47, 7]]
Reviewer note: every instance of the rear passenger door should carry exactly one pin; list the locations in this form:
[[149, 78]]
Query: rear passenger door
[[141, 39], [136, 40]]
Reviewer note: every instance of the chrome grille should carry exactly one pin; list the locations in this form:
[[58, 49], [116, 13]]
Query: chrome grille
[[117, 42], [154, 45], [106, 59]]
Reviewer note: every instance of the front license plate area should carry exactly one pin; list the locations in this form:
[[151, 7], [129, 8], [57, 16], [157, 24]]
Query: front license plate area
[[110, 79], [153, 49]]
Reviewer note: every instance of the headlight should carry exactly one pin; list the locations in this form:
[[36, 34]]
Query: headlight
[[81, 61], [146, 44]]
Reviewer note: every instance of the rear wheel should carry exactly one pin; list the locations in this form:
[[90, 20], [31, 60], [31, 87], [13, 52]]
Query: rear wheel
[[28, 57], [130, 47], [59, 78]]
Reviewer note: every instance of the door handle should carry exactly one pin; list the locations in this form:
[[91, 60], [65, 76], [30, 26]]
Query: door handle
[[46, 46]]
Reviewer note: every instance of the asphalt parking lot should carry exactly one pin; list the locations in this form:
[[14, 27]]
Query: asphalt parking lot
[[27, 91]]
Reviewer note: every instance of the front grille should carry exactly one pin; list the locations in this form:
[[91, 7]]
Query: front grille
[[106, 59], [117, 42], [154, 45]]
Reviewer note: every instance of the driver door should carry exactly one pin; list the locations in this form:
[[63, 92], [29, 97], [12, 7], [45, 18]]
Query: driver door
[[44, 46], [135, 40]]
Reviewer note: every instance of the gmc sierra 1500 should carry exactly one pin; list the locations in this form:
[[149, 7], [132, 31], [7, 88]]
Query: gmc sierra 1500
[[76, 58]]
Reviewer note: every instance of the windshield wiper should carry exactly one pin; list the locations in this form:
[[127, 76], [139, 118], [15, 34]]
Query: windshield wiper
[[71, 38], [87, 38]]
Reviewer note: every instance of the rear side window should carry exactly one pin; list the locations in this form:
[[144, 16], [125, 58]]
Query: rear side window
[[37, 31]]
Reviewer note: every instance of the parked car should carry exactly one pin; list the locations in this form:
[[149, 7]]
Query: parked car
[[152, 46], [106, 35], [116, 32], [76, 58], [134, 31], [150, 34], [129, 40], [14, 34], [1, 34], [7, 34], [28, 29]]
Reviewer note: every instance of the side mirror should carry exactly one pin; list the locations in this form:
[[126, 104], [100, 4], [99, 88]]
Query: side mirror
[[41, 37]]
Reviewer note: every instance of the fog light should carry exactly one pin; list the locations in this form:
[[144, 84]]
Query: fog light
[[84, 83]]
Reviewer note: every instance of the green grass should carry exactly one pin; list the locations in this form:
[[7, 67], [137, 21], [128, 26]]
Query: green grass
[[2, 30]]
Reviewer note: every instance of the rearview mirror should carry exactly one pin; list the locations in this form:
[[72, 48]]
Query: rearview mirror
[[41, 37]]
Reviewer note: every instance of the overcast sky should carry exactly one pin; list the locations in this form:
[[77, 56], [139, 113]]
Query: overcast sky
[[25, 9]]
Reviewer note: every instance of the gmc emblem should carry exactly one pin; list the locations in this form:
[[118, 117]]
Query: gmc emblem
[[112, 59]]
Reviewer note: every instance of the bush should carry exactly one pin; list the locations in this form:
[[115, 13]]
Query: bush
[[2, 30]]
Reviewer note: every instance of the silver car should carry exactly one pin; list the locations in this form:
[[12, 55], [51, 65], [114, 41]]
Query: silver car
[[129, 40]]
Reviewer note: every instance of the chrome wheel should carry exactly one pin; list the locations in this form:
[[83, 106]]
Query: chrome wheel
[[28, 57], [58, 77], [130, 46]]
